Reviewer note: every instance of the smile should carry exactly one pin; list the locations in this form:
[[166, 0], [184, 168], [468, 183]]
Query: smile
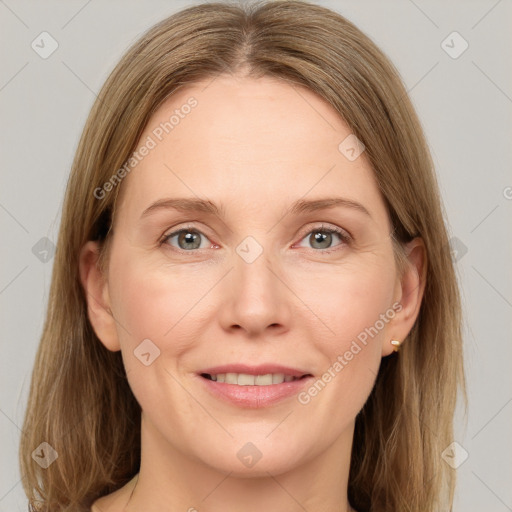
[[245, 379], [253, 386]]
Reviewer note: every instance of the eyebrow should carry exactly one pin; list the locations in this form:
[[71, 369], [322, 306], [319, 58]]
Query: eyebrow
[[206, 206]]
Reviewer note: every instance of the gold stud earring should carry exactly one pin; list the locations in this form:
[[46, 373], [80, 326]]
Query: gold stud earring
[[396, 345]]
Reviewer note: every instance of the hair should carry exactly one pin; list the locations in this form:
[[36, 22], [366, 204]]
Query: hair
[[80, 401]]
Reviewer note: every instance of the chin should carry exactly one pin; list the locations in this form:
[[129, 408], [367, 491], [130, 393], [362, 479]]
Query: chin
[[253, 460]]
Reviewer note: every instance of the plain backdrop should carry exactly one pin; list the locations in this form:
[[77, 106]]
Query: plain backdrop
[[464, 100]]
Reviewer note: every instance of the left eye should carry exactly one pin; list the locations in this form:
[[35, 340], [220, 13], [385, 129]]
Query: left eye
[[321, 238]]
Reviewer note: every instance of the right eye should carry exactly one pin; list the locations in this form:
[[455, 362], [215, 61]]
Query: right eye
[[187, 239]]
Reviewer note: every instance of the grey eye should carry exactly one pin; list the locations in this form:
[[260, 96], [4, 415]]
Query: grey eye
[[322, 238], [187, 239]]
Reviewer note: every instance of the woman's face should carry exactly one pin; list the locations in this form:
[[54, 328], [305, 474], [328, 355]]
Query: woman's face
[[252, 282]]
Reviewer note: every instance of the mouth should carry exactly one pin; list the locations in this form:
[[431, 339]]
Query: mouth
[[246, 379], [254, 386]]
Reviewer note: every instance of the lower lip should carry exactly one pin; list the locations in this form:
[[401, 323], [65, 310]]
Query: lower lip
[[255, 396]]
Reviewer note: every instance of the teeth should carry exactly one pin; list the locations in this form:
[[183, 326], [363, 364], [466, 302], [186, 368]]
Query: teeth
[[231, 378], [277, 378], [262, 380], [244, 379]]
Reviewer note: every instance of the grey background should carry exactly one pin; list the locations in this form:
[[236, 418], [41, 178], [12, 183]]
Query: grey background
[[465, 105]]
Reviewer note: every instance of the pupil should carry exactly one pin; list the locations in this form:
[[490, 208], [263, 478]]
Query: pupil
[[321, 237], [189, 238]]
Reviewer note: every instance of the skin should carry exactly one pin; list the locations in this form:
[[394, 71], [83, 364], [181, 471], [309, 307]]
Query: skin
[[254, 146]]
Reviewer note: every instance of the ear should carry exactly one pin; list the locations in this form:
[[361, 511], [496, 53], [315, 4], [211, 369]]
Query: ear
[[98, 300], [408, 294]]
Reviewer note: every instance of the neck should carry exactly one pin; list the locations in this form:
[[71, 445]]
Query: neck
[[185, 483]]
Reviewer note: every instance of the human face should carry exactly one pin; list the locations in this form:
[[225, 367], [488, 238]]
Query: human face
[[258, 283]]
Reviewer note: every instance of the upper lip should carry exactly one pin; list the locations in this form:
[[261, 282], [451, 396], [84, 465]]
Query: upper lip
[[262, 369]]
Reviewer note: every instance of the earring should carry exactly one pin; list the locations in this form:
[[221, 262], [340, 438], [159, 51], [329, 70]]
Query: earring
[[396, 345]]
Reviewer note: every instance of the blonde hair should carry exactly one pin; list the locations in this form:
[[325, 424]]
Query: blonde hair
[[80, 401]]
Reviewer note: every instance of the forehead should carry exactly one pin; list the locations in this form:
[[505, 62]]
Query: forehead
[[245, 139]]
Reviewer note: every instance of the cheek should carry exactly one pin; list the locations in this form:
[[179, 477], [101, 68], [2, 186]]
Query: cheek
[[346, 301], [354, 310], [156, 305], [152, 302]]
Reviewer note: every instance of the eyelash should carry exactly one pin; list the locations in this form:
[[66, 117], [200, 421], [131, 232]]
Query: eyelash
[[344, 237]]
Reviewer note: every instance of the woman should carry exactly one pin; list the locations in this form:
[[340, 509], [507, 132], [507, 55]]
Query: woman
[[252, 229]]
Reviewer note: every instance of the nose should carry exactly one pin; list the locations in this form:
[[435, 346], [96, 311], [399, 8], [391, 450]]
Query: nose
[[256, 298]]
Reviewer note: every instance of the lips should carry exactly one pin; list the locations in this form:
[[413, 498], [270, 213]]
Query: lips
[[254, 386]]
